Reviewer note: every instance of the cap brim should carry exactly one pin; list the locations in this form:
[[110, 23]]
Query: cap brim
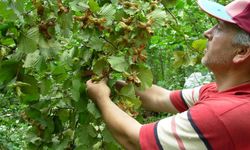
[[216, 10]]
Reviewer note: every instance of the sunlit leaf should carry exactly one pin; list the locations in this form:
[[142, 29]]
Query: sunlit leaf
[[108, 12], [93, 5], [31, 59], [118, 63], [100, 66], [29, 41], [59, 73], [6, 12], [78, 5], [158, 16], [200, 44], [180, 58], [66, 23], [8, 41], [145, 75], [128, 92]]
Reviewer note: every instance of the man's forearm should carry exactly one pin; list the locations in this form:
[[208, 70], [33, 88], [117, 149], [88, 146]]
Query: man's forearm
[[156, 99], [124, 128]]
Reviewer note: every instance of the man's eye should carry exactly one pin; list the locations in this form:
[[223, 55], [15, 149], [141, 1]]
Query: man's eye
[[218, 27]]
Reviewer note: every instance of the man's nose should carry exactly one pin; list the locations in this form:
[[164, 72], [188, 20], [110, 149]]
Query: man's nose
[[208, 34]]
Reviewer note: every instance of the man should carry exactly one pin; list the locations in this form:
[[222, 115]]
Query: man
[[214, 116]]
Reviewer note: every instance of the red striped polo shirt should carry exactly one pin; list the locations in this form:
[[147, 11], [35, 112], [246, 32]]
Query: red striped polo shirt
[[208, 119]]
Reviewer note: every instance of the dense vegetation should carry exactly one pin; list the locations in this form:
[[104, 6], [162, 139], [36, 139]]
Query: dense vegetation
[[49, 49]]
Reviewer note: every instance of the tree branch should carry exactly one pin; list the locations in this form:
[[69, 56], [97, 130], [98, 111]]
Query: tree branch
[[109, 42]]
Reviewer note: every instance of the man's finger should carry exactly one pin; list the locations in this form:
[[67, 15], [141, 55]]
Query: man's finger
[[90, 82]]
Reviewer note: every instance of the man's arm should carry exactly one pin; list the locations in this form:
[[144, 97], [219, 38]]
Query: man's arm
[[155, 98], [124, 128]]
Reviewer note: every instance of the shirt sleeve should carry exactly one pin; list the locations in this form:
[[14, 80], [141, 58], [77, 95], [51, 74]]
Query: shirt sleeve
[[175, 133], [184, 99]]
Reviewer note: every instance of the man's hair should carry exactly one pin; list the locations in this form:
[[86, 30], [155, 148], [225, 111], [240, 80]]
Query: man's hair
[[242, 38]]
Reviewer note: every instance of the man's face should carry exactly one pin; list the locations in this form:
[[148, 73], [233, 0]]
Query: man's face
[[220, 50]]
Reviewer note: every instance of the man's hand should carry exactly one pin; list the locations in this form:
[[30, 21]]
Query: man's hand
[[98, 91], [124, 128]]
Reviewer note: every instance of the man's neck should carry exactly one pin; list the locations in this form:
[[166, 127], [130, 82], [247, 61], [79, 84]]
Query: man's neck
[[228, 80]]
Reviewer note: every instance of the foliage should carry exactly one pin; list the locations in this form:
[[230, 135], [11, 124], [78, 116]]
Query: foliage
[[175, 52], [50, 48], [12, 127]]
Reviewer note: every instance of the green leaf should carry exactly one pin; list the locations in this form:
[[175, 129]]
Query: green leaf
[[76, 85], [118, 63], [48, 48], [93, 110], [87, 54], [31, 92], [97, 145], [63, 144], [6, 11], [69, 133], [180, 58], [9, 42], [66, 23], [43, 105], [93, 5], [19, 5], [4, 26], [108, 12], [100, 66], [107, 137], [180, 4], [91, 131], [83, 137], [8, 70], [33, 114], [158, 16], [200, 44], [18, 8], [78, 5], [96, 43], [50, 126], [28, 41], [59, 73], [84, 117], [128, 92], [146, 76], [189, 2], [32, 59], [169, 3], [45, 86], [63, 115]]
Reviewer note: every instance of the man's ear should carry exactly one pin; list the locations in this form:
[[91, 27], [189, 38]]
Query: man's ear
[[242, 54]]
